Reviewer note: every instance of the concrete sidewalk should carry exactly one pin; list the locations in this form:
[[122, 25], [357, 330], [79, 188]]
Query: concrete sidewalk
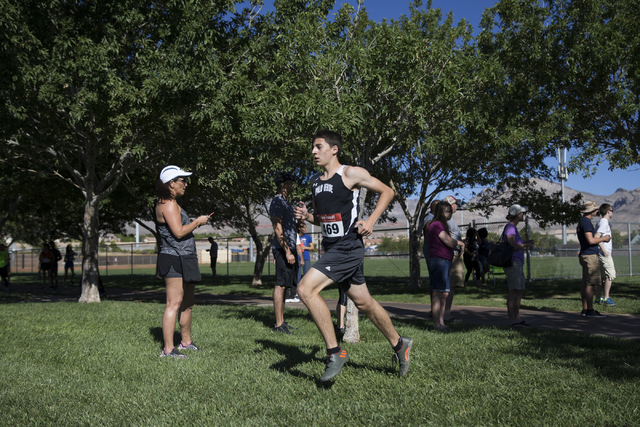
[[615, 325]]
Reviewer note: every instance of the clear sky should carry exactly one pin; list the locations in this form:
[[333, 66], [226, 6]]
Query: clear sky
[[603, 183]]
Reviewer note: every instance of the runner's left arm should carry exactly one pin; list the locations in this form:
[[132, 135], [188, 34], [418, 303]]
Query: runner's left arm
[[357, 177]]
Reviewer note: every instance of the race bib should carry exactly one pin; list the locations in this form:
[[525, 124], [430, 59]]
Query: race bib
[[332, 225]]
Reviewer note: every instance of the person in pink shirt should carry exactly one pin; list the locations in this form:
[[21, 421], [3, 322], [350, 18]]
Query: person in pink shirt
[[441, 246]]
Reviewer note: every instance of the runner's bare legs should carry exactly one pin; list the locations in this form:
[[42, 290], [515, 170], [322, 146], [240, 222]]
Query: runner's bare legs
[[309, 291]]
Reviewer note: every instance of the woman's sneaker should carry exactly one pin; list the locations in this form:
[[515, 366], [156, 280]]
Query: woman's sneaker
[[191, 346], [608, 302], [173, 353]]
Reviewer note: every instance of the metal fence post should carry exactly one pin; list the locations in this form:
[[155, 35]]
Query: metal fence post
[[630, 252], [131, 252], [228, 257], [527, 252]]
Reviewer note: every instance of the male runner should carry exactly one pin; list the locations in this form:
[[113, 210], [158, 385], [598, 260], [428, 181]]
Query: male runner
[[335, 199]]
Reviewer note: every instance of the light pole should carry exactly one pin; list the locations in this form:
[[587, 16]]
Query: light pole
[[562, 176]]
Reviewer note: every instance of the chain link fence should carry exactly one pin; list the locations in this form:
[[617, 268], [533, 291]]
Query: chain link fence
[[386, 258]]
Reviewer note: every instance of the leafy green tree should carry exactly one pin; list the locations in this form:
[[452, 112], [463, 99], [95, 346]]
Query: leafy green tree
[[92, 91], [575, 72], [389, 244]]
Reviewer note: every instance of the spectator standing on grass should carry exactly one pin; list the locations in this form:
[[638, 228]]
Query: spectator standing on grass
[[46, 259], [515, 273], [457, 264], [483, 253], [335, 194], [425, 246], [589, 251], [213, 254], [57, 256], [608, 270], [283, 247], [306, 241], [5, 266], [441, 252], [69, 258], [470, 256], [176, 234]]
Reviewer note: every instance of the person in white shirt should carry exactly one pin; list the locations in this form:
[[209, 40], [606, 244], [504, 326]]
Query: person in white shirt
[[605, 257]]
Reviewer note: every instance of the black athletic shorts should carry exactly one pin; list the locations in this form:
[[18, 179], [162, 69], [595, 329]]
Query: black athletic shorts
[[342, 263], [169, 266], [286, 274]]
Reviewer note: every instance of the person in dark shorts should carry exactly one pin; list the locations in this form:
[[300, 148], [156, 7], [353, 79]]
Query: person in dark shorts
[[213, 254], [5, 266], [335, 194], [176, 234], [483, 253], [284, 247], [46, 260], [69, 258], [57, 256]]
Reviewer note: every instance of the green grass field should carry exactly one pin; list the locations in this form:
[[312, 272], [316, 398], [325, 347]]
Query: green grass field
[[542, 268], [98, 364]]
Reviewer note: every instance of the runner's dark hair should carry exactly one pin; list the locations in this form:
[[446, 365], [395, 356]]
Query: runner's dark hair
[[332, 138]]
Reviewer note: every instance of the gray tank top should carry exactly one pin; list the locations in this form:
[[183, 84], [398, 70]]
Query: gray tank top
[[171, 245]]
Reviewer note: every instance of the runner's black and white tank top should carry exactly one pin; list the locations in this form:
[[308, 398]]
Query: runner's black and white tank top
[[336, 208], [171, 245]]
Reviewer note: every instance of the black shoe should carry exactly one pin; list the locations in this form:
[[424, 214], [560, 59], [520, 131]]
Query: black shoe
[[593, 313], [282, 329], [288, 326], [583, 313]]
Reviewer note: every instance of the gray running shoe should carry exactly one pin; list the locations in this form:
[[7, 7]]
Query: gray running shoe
[[282, 329], [402, 356], [191, 346], [173, 353], [335, 362]]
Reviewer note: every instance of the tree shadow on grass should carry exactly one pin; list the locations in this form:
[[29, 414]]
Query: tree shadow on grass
[[295, 355], [156, 333], [265, 315], [612, 358]]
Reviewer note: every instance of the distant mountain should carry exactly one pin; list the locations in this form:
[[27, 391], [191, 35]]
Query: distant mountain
[[626, 205]]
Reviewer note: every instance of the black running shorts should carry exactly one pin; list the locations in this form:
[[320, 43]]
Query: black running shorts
[[286, 274], [342, 263]]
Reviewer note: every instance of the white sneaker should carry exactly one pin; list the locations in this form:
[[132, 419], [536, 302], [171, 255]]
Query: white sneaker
[[289, 300]]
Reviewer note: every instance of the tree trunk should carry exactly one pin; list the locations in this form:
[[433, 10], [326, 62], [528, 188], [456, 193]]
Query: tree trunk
[[414, 257], [13, 205], [90, 242], [262, 254], [352, 327]]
